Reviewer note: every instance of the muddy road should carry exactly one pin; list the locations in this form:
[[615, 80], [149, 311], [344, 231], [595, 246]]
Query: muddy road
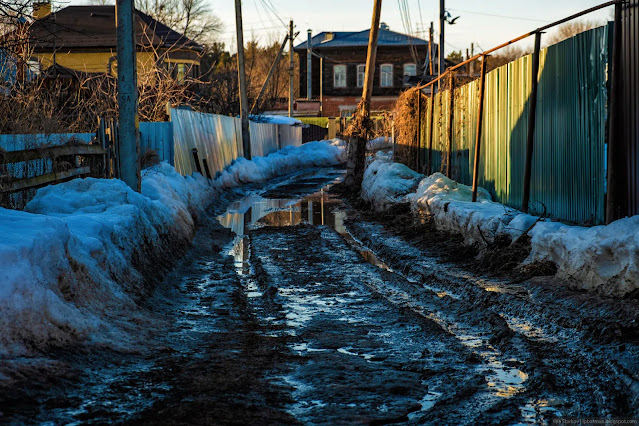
[[293, 307]]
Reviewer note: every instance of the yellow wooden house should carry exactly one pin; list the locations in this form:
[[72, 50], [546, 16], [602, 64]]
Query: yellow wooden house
[[83, 38]]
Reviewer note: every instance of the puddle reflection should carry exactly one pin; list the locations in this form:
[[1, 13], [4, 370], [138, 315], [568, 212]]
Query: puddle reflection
[[255, 211]]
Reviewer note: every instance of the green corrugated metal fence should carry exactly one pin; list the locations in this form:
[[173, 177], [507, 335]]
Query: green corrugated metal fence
[[568, 169]]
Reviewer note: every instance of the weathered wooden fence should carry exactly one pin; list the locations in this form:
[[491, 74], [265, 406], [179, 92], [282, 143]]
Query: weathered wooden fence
[[35, 165]]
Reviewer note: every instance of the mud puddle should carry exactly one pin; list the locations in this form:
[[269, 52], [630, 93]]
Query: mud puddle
[[266, 210], [501, 379]]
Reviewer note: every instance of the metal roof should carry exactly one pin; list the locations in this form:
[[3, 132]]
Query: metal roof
[[94, 26], [360, 38]]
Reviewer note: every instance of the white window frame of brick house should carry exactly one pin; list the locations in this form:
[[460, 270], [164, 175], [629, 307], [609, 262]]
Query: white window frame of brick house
[[414, 71], [386, 77], [361, 75], [337, 82]]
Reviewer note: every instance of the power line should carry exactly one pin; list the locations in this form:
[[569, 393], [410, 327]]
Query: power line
[[421, 18], [498, 16], [269, 5]]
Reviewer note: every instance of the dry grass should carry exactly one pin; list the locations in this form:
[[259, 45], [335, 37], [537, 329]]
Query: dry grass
[[406, 127]]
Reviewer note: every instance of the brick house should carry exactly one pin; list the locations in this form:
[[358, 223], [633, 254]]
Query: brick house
[[339, 61]]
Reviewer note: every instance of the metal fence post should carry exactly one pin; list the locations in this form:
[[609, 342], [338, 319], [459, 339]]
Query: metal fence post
[[532, 115], [196, 158], [480, 119], [419, 131], [451, 116], [617, 200], [431, 120]]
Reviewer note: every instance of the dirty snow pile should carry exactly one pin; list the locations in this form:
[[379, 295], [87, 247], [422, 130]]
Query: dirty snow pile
[[388, 183], [72, 263], [288, 159], [450, 204], [382, 142], [275, 119], [604, 259]]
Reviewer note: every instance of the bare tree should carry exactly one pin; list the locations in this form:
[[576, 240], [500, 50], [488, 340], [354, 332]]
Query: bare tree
[[506, 55], [192, 18], [571, 29]]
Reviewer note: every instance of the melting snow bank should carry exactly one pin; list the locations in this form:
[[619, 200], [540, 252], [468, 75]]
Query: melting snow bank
[[73, 265], [604, 259], [288, 159]]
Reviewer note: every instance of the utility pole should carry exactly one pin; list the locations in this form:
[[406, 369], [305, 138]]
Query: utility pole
[[357, 144], [309, 67], [291, 70], [367, 91], [472, 54], [442, 23], [431, 51], [467, 58], [128, 122], [246, 135], [258, 101]]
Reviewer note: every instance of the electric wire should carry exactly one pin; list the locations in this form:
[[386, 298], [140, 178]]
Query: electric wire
[[499, 16]]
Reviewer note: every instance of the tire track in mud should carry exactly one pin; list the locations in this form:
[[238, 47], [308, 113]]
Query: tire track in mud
[[576, 365], [361, 330]]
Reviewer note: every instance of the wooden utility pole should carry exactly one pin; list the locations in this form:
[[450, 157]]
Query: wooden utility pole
[[309, 66], [246, 135], [321, 81], [431, 51], [442, 23], [371, 56], [291, 70], [258, 102], [357, 143], [472, 55], [128, 121]]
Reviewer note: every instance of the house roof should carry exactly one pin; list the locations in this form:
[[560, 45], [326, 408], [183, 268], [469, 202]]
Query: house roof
[[360, 38], [82, 27]]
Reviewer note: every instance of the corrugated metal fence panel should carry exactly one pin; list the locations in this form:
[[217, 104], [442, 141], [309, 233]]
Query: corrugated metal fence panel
[[568, 172], [568, 163], [216, 137], [504, 131], [630, 102], [158, 136], [264, 139], [290, 136]]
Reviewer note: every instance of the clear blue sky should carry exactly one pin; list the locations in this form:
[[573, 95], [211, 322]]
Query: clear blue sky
[[474, 25]]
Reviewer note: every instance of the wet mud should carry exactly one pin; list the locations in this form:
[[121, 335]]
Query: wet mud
[[295, 306]]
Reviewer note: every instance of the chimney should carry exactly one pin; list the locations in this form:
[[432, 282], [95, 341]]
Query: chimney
[[41, 9], [384, 26]]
